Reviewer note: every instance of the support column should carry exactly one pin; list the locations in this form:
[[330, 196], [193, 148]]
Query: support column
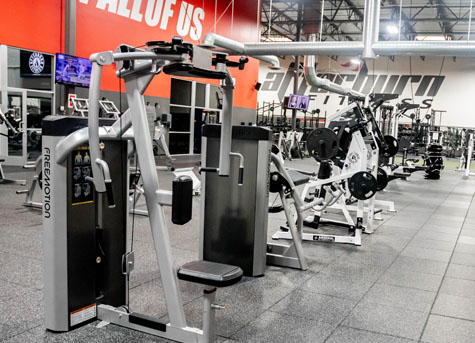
[[62, 91], [297, 64]]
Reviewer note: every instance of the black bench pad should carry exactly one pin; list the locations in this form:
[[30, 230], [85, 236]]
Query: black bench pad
[[210, 273], [297, 177]]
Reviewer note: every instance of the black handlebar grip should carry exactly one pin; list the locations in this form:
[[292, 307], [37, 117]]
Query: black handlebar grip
[[182, 200], [110, 195], [241, 176], [208, 170]]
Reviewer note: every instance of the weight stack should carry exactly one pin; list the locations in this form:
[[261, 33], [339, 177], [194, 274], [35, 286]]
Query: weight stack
[[233, 224]]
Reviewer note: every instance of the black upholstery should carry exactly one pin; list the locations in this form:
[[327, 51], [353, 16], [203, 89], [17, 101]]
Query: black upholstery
[[297, 177], [210, 273], [188, 70]]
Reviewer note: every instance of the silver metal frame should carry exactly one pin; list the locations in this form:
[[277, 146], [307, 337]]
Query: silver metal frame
[[145, 65], [30, 192]]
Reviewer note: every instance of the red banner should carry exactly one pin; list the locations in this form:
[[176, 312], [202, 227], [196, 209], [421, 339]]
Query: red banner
[[104, 24]]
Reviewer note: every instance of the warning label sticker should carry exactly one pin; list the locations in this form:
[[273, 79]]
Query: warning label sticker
[[83, 314]]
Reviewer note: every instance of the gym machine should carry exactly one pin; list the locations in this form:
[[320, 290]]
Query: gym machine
[[81, 106], [468, 160], [36, 182], [109, 108], [86, 263], [234, 210], [12, 131], [344, 156]]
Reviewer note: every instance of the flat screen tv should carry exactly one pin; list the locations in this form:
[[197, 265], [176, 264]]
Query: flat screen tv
[[72, 70], [34, 64], [299, 102]]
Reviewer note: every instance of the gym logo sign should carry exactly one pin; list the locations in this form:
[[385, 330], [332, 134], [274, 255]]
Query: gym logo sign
[[156, 13], [422, 85], [36, 63]]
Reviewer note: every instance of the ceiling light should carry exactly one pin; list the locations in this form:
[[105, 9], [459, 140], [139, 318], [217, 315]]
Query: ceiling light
[[355, 61], [392, 29]]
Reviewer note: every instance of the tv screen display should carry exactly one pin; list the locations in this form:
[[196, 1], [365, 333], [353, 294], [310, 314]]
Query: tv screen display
[[34, 64], [299, 102], [73, 70]]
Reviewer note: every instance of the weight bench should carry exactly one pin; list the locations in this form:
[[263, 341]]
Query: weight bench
[[211, 275], [5, 181], [396, 175], [298, 178]]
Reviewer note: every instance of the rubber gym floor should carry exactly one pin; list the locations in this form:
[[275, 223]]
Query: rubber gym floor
[[413, 280]]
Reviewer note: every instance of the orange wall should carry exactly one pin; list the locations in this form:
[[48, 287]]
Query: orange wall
[[38, 25], [103, 29], [32, 24]]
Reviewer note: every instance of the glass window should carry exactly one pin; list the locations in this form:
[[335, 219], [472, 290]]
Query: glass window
[[200, 99], [180, 119], [180, 92], [179, 143]]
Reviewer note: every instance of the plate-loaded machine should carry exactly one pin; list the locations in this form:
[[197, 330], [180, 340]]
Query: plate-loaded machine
[[387, 148], [86, 263], [344, 158]]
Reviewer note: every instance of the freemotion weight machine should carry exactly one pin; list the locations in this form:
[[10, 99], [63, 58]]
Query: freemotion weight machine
[[86, 263]]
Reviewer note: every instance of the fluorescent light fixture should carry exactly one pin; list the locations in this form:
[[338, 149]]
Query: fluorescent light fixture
[[392, 29], [432, 38]]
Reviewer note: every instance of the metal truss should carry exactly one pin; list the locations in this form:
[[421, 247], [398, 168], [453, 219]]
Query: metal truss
[[343, 19]]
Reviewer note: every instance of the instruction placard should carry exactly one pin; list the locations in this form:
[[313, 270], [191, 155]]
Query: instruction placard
[[83, 314]]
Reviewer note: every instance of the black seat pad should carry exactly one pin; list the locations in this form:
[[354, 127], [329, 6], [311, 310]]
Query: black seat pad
[[188, 70], [210, 273], [297, 177]]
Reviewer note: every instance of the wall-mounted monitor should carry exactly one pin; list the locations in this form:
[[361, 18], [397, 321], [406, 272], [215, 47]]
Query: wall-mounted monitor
[[299, 102], [72, 70], [34, 64]]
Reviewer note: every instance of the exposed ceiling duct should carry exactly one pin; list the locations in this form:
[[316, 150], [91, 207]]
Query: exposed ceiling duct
[[369, 48], [420, 48], [314, 80], [213, 40], [372, 10], [284, 49]]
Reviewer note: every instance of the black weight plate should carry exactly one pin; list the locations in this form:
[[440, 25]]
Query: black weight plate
[[382, 179], [392, 146], [363, 185], [322, 144]]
